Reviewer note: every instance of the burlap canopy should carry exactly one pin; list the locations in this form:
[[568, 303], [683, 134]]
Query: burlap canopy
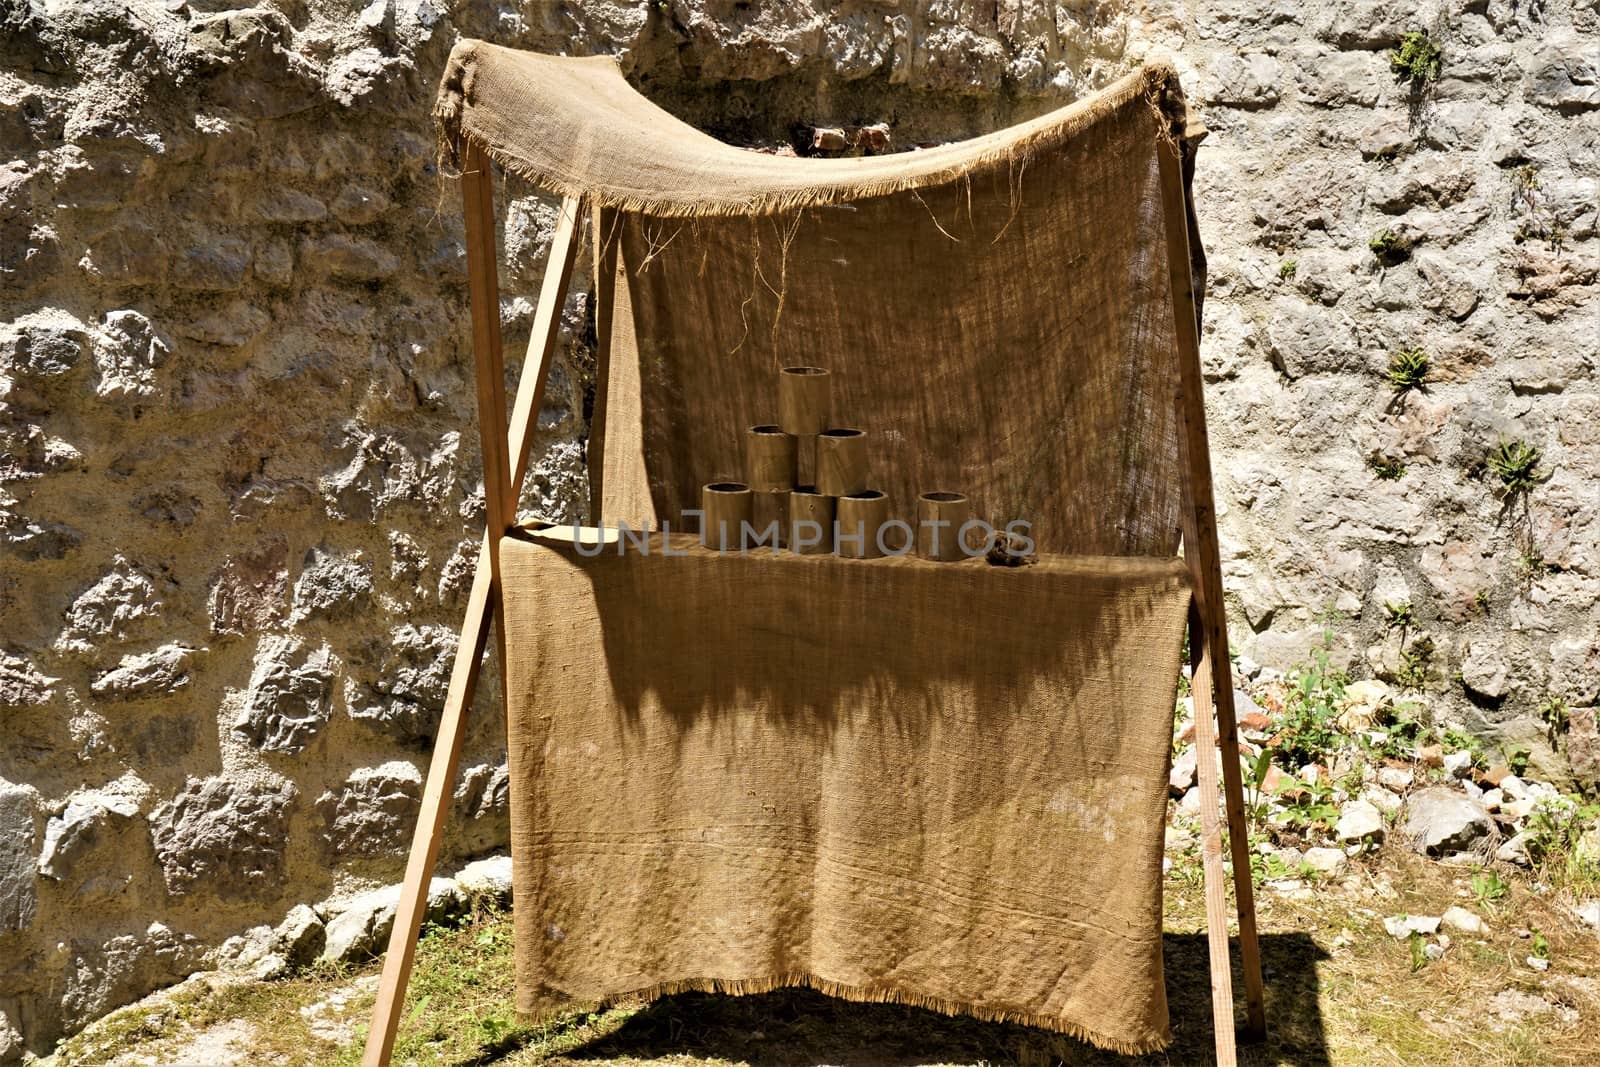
[[997, 315]]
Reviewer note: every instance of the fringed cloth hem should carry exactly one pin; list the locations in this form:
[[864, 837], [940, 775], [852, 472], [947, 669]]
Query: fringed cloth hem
[[740, 987], [696, 176]]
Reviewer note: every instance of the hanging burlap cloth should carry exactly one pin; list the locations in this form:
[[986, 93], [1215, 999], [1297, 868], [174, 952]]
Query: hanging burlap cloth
[[933, 784], [940, 784]]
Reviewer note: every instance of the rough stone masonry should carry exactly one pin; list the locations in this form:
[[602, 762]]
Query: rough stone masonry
[[238, 474]]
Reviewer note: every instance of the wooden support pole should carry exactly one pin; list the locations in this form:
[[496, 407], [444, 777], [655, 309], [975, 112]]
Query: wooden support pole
[[513, 460], [1202, 550], [607, 236]]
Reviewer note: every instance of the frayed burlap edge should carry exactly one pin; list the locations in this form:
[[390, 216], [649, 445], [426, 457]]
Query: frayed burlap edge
[[1157, 85], [751, 986]]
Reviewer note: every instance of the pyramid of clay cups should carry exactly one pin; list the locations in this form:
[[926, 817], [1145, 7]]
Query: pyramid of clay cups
[[839, 512]]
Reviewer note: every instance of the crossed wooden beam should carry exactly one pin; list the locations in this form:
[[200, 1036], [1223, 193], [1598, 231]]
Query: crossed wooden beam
[[505, 462]]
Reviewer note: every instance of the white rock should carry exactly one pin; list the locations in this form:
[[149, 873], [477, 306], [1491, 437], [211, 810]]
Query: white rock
[[1440, 821], [362, 926], [1514, 787], [1492, 799], [1328, 861], [1515, 851], [1589, 913], [1359, 821], [1465, 921], [489, 877], [1181, 777], [1403, 926], [1382, 799], [1538, 964], [1397, 779], [1458, 764]]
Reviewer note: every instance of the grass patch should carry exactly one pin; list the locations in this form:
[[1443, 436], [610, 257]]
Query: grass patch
[[1416, 61]]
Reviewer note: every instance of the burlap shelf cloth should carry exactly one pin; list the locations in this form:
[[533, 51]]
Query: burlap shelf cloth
[[936, 784]]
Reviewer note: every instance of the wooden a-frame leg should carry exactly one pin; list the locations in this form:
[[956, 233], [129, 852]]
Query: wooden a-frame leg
[[436, 796], [1209, 625], [1216, 890]]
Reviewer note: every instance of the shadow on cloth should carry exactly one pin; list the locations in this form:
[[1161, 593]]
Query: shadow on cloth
[[801, 1027]]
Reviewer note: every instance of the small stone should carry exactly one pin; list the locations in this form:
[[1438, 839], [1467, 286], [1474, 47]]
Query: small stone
[[1327, 861], [1538, 963], [489, 878], [165, 670], [1464, 921], [375, 811], [1440, 821], [250, 591], [1403, 926], [1365, 703], [1359, 822], [270, 968], [359, 204], [214, 264], [1495, 776], [127, 353], [1395, 779], [88, 820], [18, 879], [1485, 672], [1248, 81], [22, 685], [362, 926], [829, 139], [1433, 950], [230, 835], [353, 259], [289, 696], [1458, 764], [281, 204], [1182, 774], [109, 608], [1382, 799], [1492, 799], [299, 939], [1513, 787], [482, 815], [408, 696], [331, 585], [1565, 74], [1431, 755]]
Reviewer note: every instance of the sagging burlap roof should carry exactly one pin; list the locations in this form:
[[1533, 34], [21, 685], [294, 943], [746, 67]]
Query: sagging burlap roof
[[576, 127]]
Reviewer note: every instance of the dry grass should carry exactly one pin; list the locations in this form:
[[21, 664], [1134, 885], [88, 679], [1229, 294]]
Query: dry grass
[[1341, 992]]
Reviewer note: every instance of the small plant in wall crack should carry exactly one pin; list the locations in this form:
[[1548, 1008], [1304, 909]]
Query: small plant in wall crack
[[1416, 61], [1536, 222], [1389, 247], [1554, 712], [1399, 615], [1408, 369], [1387, 468], [1517, 465]]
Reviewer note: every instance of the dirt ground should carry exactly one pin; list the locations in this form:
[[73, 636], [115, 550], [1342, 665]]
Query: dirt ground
[[1341, 991]]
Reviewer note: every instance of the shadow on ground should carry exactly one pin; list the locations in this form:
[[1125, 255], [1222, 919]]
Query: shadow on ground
[[798, 1026]]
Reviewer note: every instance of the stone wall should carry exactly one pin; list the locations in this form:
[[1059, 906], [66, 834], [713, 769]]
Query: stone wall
[[238, 478]]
